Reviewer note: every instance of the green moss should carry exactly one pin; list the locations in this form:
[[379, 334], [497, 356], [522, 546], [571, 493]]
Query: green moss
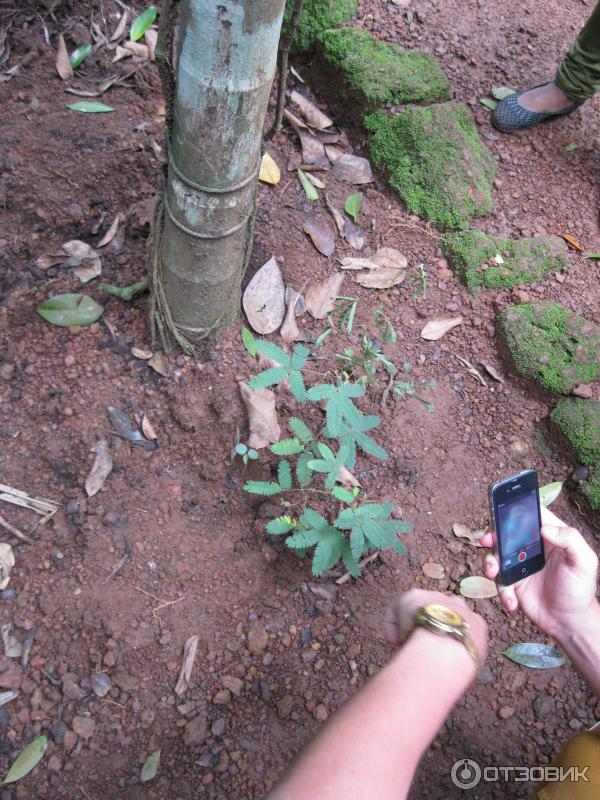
[[472, 255], [318, 16], [436, 162], [579, 421], [552, 345], [378, 73]]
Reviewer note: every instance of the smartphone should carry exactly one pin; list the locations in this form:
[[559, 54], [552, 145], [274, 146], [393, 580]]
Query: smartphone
[[517, 520]]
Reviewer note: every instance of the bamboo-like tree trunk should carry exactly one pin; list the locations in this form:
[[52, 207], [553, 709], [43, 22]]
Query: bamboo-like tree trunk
[[227, 52]]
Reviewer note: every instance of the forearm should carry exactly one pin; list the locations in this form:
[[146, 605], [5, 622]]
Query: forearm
[[582, 645], [371, 748]]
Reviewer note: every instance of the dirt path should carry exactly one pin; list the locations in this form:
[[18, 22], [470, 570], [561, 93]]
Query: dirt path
[[176, 519]]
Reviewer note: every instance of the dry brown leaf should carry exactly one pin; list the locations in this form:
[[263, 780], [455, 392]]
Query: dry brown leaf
[[478, 587], [338, 217], [269, 171], [314, 180], [313, 149], [295, 121], [289, 330], [333, 153], [492, 371], [110, 233], [62, 63], [101, 468], [328, 137], [143, 355], [159, 363], [12, 646], [352, 169], [120, 53], [310, 112], [148, 429], [78, 250], [185, 673], [573, 243], [137, 49], [436, 328], [435, 571], [47, 261], [321, 235], [88, 270], [151, 38], [354, 234], [264, 299], [319, 296], [463, 532], [473, 372], [346, 478], [298, 300], [119, 31], [390, 271], [358, 263], [7, 562], [262, 416]]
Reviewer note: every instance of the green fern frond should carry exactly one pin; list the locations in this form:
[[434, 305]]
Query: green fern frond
[[300, 430], [284, 474], [299, 356], [297, 386], [303, 472], [323, 391], [287, 447], [280, 525], [273, 351], [266, 488], [269, 377]]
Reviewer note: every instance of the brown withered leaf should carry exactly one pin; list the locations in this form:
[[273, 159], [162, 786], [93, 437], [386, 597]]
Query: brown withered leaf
[[333, 153], [110, 233], [289, 330], [62, 63], [436, 328], [352, 169], [354, 234], [319, 296], [295, 121], [143, 355], [573, 243], [391, 267], [159, 363], [321, 235], [101, 468], [264, 299], [148, 429], [297, 299], [121, 28], [185, 673], [435, 571], [262, 416], [492, 371], [151, 39], [346, 478], [313, 149], [338, 217], [314, 117], [464, 532]]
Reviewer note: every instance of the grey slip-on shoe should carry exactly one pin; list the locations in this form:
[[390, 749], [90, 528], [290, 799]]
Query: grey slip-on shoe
[[509, 116]]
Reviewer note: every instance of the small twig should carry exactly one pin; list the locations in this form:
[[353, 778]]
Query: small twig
[[114, 571], [161, 603], [346, 576], [388, 389], [15, 531], [282, 71]]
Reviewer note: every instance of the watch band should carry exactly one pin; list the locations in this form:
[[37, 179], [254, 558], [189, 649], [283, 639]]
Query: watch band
[[459, 629]]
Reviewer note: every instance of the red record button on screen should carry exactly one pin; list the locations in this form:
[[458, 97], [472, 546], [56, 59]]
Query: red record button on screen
[[522, 555]]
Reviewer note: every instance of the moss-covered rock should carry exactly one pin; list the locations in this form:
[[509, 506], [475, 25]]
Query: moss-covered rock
[[474, 256], [579, 422], [436, 162], [376, 73], [318, 16], [552, 345]]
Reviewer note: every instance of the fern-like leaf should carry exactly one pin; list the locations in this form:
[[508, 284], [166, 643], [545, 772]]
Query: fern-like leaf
[[343, 494], [297, 386], [273, 351], [302, 540], [350, 562], [269, 377], [287, 447], [370, 446], [328, 552], [322, 391], [284, 474], [280, 525], [357, 543], [299, 356], [300, 430], [303, 472], [266, 488]]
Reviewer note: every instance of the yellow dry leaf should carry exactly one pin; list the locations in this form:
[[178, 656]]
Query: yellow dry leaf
[[269, 171], [572, 242]]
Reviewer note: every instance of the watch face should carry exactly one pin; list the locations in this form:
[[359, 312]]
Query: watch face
[[443, 614]]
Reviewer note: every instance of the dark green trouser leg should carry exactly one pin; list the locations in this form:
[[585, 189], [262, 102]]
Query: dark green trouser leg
[[579, 74]]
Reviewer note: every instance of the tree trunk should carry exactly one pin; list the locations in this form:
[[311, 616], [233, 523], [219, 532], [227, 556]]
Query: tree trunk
[[227, 53]]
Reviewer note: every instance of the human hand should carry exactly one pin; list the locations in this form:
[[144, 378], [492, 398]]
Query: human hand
[[561, 598], [399, 616]]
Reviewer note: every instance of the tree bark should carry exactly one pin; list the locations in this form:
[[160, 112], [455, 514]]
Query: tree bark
[[227, 53]]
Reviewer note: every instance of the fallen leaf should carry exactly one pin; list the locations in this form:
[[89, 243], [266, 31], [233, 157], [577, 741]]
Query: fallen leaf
[[141, 23], [297, 75], [535, 655], [159, 363], [269, 171], [550, 492], [519, 448], [338, 217], [390, 271], [101, 468], [473, 372], [573, 243], [352, 169], [147, 429], [264, 299], [123, 425], [126, 293], [321, 235], [346, 478], [88, 270], [121, 53], [262, 416], [119, 31], [317, 182], [293, 119], [298, 300], [151, 39], [46, 261], [319, 296], [314, 117], [79, 55], [78, 251], [137, 49], [435, 571], [593, 256], [90, 107], [498, 259], [357, 263], [309, 190], [27, 760], [150, 768], [328, 137], [313, 149], [354, 235], [62, 62], [478, 588], [492, 371], [333, 153], [7, 697], [570, 147], [66, 310], [463, 532], [12, 646], [185, 673], [500, 92], [491, 104], [110, 233], [353, 205], [289, 330], [436, 328], [143, 355]]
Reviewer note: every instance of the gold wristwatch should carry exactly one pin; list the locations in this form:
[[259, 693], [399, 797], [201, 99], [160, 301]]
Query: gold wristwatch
[[442, 621]]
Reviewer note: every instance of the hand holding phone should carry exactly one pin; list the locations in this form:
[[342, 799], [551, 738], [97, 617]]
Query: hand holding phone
[[516, 515]]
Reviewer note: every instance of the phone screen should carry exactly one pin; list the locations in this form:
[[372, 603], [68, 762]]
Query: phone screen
[[519, 530]]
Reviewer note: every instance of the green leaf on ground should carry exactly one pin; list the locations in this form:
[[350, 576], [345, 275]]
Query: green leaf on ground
[[570, 147], [550, 492], [500, 92], [66, 310], [125, 292], [309, 189], [90, 107], [140, 24], [353, 205], [249, 341], [150, 767], [593, 256], [28, 759], [535, 655], [477, 587], [78, 56], [491, 104], [266, 488]]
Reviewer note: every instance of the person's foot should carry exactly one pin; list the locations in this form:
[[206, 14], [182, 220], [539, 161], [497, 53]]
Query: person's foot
[[528, 108]]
